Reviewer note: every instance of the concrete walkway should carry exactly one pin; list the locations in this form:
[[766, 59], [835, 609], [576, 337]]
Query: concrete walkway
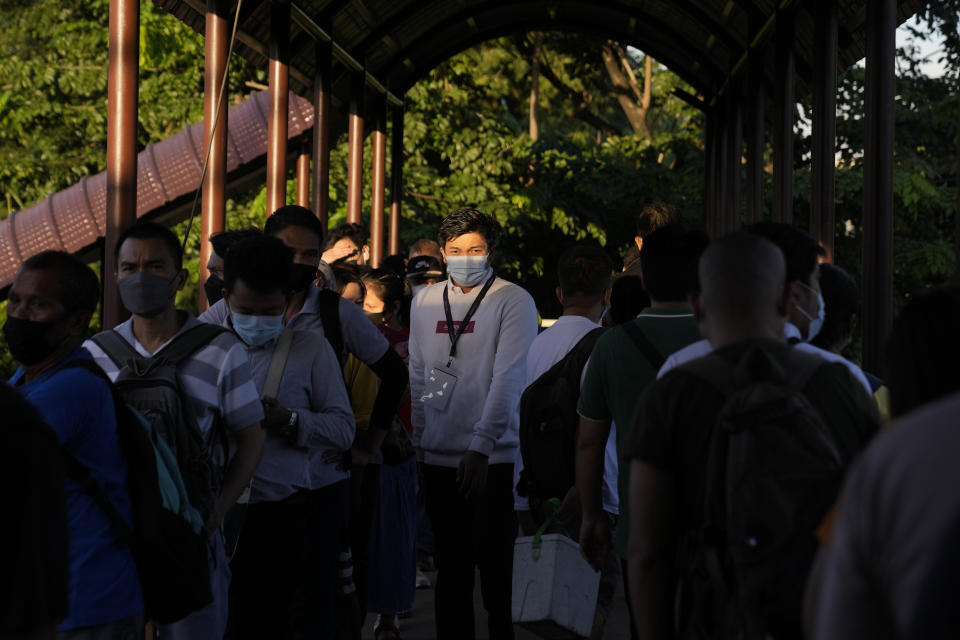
[[420, 625]]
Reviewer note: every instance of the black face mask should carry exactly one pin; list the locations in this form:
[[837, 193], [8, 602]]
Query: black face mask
[[213, 287], [302, 276], [30, 341]]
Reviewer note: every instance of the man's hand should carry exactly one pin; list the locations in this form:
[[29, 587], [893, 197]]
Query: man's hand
[[472, 474], [213, 522], [595, 539], [333, 254], [275, 415], [569, 510]]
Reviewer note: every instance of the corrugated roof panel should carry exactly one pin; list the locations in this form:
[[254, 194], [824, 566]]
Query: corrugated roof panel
[[75, 228]]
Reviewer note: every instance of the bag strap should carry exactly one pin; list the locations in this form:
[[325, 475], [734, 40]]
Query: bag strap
[[116, 348], [184, 345], [642, 342], [277, 364], [328, 305]]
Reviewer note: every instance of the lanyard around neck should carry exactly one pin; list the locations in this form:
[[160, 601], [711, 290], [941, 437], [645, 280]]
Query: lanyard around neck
[[455, 334]]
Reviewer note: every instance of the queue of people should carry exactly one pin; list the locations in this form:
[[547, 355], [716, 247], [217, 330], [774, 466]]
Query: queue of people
[[323, 426]]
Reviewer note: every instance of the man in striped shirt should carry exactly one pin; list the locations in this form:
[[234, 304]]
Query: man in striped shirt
[[217, 383]]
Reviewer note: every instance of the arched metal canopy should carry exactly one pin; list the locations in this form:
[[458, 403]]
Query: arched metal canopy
[[706, 42]]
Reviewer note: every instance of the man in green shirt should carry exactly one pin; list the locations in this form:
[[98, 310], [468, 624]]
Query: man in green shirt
[[619, 369]]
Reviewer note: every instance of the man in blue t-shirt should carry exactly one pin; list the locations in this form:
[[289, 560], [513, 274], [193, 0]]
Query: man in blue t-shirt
[[50, 304]]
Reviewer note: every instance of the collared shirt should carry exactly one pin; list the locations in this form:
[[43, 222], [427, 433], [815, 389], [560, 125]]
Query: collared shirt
[[790, 331], [216, 379], [312, 386], [102, 583], [360, 337]]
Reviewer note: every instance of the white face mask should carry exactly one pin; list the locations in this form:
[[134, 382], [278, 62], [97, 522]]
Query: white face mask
[[256, 330], [815, 323], [467, 271]]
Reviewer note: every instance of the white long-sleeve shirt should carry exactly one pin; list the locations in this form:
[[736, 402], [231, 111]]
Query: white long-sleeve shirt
[[482, 412]]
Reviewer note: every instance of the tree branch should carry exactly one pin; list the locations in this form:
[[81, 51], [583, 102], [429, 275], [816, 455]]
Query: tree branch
[[580, 100]]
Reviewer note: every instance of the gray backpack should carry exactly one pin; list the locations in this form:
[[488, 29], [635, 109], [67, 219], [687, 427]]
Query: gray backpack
[[152, 386]]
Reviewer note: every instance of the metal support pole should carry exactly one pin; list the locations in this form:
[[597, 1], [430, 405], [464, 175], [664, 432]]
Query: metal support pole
[[355, 159], [783, 121], [122, 88], [277, 121], [321, 134], [734, 158], [722, 171], [303, 176], [213, 206], [756, 141], [378, 181], [877, 275], [710, 177], [823, 152], [396, 180]]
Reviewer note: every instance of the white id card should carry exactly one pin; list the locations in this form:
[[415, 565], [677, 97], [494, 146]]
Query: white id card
[[440, 385]]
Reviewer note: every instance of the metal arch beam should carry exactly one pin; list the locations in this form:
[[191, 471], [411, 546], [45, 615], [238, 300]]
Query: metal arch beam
[[426, 49]]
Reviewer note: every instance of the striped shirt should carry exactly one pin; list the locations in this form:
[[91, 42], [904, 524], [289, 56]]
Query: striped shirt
[[216, 378]]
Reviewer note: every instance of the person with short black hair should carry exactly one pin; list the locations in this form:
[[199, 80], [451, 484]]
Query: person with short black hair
[[51, 301], [583, 275], [292, 530], [674, 490], [624, 361], [215, 381], [469, 337], [653, 216], [841, 297], [221, 243], [423, 271], [347, 243], [349, 279]]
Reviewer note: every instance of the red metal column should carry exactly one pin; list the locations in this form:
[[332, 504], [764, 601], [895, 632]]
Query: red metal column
[[734, 157], [303, 176], [823, 152], [213, 211], [877, 275], [355, 160], [321, 133], [122, 87], [277, 120], [783, 121], [378, 181], [396, 180], [756, 141]]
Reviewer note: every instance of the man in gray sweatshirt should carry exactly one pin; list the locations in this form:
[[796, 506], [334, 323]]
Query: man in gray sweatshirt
[[469, 337]]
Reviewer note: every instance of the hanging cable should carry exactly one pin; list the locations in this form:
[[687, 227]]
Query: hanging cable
[[216, 120]]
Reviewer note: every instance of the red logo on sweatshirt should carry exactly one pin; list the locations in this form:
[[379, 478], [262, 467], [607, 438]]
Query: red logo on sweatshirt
[[442, 326]]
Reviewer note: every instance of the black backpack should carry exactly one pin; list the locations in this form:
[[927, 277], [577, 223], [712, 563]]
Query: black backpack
[[152, 386], [548, 425], [167, 539], [773, 471]]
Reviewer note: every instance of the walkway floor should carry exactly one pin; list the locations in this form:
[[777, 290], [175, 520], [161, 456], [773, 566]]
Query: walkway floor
[[420, 625]]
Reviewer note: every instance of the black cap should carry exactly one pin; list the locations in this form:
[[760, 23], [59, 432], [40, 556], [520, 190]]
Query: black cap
[[424, 267]]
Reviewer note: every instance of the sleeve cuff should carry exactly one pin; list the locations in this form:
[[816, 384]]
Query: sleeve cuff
[[481, 444]]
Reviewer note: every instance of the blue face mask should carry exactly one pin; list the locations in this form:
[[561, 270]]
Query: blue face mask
[[815, 323], [256, 330], [467, 271]]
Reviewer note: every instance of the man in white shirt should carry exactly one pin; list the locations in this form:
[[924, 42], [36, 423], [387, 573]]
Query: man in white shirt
[[584, 274], [807, 310]]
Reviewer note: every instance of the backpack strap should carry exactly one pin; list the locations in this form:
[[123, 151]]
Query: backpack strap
[[328, 304], [184, 345], [80, 474], [277, 364], [642, 342], [117, 349]]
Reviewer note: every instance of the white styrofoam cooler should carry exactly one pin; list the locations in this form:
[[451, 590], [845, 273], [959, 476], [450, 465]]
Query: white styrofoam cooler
[[554, 588]]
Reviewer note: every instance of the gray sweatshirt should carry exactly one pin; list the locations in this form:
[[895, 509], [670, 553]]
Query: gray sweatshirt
[[481, 413]]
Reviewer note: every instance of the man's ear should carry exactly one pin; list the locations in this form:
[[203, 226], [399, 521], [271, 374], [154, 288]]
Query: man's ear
[[365, 250], [559, 292], [444, 254], [694, 299], [79, 322], [639, 241], [606, 296], [792, 296], [184, 275]]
